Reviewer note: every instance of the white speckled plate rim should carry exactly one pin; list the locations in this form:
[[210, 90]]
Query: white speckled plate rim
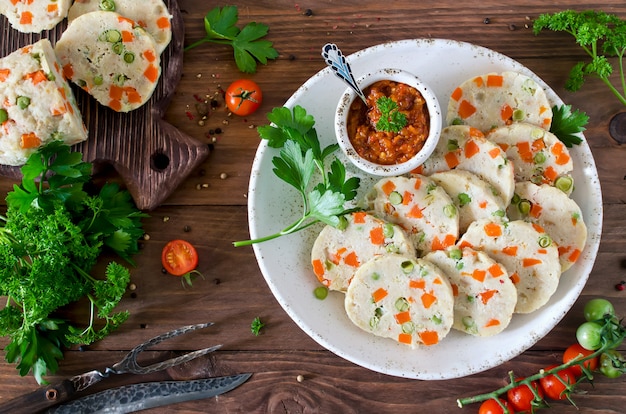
[[285, 262]]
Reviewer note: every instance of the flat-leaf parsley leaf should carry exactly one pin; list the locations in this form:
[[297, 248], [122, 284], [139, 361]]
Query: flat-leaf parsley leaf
[[391, 119], [220, 27]]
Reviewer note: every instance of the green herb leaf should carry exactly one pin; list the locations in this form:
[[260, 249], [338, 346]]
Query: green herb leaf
[[256, 326], [220, 27], [391, 119], [600, 35], [566, 125], [300, 159]]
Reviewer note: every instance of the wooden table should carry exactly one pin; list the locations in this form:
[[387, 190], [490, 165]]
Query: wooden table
[[210, 210]]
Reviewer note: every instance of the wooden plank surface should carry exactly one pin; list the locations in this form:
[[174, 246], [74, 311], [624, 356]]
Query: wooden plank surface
[[209, 208]]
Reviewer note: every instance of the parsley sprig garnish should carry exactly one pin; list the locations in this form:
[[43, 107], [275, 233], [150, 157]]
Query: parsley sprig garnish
[[302, 158], [52, 236], [601, 35], [567, 124], [391, 119], [220, 27]]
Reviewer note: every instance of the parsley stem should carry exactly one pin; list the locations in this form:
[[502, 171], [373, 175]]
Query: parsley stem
[[207, 40]]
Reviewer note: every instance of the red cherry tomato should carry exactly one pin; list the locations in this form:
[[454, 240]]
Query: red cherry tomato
[[179, 257], [491, 406], [521, 397], [553, 387], [576, 351], [243, 97]]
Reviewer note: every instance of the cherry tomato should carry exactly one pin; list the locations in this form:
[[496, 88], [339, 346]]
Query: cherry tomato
[[243, 97], [553, 387], [179, 257], [491, 406], [612, 364], [576, 351], [589, 335], [597, 308], [521, 397]]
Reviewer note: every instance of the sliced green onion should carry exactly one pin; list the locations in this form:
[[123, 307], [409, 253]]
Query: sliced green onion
[[539, 158], [129, 57], [407, 266], [111, 36], [464, 199], [455, 254], [97, 80], [518, 115], [449, 210], [545, 241], [388, 230], [107, 5], [408, 327], [564, 183], [402, 304], [395, 198], [118, 48], [453, 144], [4, 115], [375, 276]]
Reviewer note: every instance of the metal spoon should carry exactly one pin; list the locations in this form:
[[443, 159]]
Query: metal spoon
[[340, 66]]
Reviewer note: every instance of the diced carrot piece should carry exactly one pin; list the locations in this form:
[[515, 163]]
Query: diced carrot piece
[[428, 299], [52, 7], [115, 104], [417, 183], [574, 221], [116, 92], [26, 17], [574, 255], [495, 81], [506, 113], [457, 94], [125, 19], [523, 148], [494, 153], [471, 148], [437, 281], [379, 294], [479, 275], [449, 240], [493, 229], [36, 77], [4, 74], [418, 170], [455, 289], [476, 133], [510, 250], [487, 295], [337, 256], [546, 123], [415, 212], [538, 227], [530, 261], [359, 217], [538, 145], [163, 23], [388, 187], [407, 198], [478, 80], [377, 236], [127, 36], [550, 173], [429, 337], [352, 260], [543, 109], [451, 160], [402, 317], [562, 159], [495, 270], [318, 268], [417, 284], [149, 55], [151, 73], [492, 322], [30, 140], [515, 278], [14, 2], [132, 95], [482, 204], [557, 148], [535, 210], [58, 110], [68, 71], [466, 109], [436, 244], [465, 243], [405, 338], [503, 146]]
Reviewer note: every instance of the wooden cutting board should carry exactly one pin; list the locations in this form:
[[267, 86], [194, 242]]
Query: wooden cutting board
[[151, 156]]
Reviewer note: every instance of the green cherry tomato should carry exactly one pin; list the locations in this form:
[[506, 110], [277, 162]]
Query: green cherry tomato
[[612, 364], [589, 335], [597, 308]]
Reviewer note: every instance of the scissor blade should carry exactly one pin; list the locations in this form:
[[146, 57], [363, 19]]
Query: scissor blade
[[135, 397]]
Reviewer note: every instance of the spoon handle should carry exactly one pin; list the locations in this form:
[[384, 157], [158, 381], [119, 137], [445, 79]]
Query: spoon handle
[[337, 61]]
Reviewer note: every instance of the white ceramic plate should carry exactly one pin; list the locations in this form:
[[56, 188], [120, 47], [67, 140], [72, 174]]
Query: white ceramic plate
[[285, 262]]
